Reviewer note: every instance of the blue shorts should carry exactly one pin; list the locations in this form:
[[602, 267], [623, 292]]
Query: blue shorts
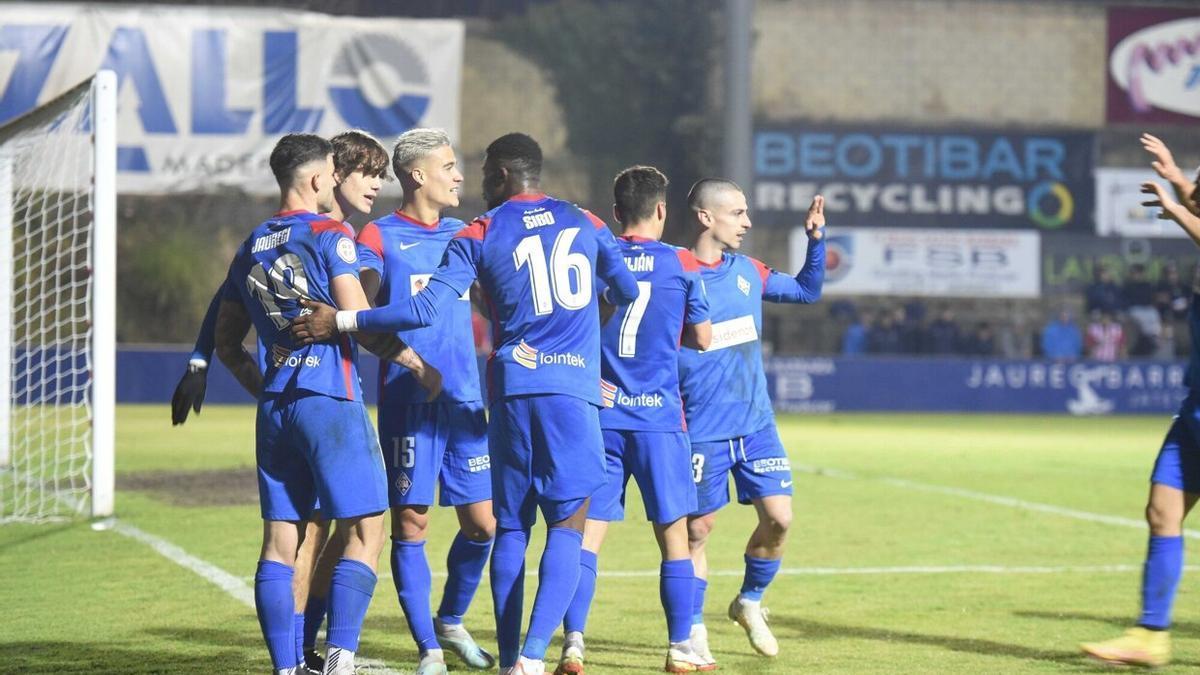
[[1178, 463], [426, 444], [312, 446], [660, 462], [547, 453], [758, 462]]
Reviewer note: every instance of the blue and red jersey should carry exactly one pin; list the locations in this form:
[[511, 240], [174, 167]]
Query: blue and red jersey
[[536, 259], [724, 388], [640, 343], [406, 252], [294, 255]]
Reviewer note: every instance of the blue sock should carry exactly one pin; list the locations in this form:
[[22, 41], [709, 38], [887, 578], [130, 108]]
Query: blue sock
[[275, 607], [508, 591], [464, 565], [299, 622], [698, 587], [759, 573], [675, 581], [558, 575], [350, 593], [314, 616], [577, 613], [414, 582], [1160, 578]]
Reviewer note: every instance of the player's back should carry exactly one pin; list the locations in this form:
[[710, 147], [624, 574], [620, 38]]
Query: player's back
[[290, 256], [406, 253], [640, 343], [537, 265], [724, 388]]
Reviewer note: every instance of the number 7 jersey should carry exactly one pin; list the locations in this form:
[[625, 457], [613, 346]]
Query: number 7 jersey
[[294, 255]]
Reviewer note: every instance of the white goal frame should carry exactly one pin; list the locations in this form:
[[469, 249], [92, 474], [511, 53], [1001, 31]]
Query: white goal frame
[[103, 258]]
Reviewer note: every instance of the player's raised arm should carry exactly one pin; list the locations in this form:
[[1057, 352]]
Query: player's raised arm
[[1164, 165], [233, 324], [1172, 210], [697, 326], [805, 287]]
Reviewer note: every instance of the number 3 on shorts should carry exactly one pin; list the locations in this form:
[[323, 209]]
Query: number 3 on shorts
[[697, 467]]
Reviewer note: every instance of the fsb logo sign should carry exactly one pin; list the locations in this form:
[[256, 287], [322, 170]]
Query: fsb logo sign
[[203, 96]]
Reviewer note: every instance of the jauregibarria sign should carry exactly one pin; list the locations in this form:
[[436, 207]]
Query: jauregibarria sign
[[204, 92]]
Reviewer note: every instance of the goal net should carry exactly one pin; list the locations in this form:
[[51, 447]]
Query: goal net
[[57, 313]]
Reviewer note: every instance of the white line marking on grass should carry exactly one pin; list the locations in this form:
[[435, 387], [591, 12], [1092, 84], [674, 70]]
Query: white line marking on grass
[[989, 498], [233, 585]]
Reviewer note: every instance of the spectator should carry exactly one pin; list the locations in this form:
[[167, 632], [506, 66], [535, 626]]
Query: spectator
[[1061, 339], [1103, 294], [1016, 340], [1105, 339], [884, 336], [943, 335], [1172, 295], [1138, 296], [909, 328], [854, 339], [981, 342]]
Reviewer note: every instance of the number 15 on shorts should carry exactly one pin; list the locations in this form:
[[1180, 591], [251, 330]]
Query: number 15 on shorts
[[404, 451]]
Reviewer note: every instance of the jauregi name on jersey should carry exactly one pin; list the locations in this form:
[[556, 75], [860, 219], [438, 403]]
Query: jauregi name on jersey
[[294, 255], [536, 258], [406, 253], [724, 388], [640, 343]]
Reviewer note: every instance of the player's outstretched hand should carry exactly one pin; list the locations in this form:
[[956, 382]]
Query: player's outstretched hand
[[189, 394], [317, 322], [1164, 162], [1171, 209], [814, 222]]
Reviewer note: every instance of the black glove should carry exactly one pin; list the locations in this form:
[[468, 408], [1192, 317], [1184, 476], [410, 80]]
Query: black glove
[[189, 393]]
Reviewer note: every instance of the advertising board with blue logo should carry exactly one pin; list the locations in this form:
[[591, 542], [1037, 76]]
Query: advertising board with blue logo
[[204, 92], [968, 385], [943, 178], [927, 262], [1153, 65]]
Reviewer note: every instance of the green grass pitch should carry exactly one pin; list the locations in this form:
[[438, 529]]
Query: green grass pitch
[[920, 544]]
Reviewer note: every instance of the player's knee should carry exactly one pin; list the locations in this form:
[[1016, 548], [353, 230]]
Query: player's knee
[[410, 524], [476, 530], [1163, 520], [698, 531], [777, 524]]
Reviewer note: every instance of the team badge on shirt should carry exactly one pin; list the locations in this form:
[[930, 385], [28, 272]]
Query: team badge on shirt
[[743, 285], [345, 250]]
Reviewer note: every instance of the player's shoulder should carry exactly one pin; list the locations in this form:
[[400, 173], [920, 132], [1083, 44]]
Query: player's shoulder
[[323, 224], [451, 225], [478, 228], [687, 260]]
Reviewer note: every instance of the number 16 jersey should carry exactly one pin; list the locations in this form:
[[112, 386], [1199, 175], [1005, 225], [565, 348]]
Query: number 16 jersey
[[294, 255]]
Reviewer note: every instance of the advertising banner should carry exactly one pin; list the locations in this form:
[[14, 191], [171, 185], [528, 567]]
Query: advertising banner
[[883, 177], [930, 263], [1153, 65], [1119, 210], [204, 92], [968, 385], [812, 384], [1070, 262]]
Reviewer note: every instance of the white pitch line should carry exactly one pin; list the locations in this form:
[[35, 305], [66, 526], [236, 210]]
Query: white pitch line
[[989, 498], [234, 586]]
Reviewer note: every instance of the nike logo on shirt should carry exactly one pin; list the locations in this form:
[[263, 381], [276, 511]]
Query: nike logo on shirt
[[405, 247]]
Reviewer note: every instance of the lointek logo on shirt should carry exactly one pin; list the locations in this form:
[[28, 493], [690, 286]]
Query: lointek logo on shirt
[[529, 357], [612, 396]]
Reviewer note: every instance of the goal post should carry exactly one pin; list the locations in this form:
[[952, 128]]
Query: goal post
[[58, 306]]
